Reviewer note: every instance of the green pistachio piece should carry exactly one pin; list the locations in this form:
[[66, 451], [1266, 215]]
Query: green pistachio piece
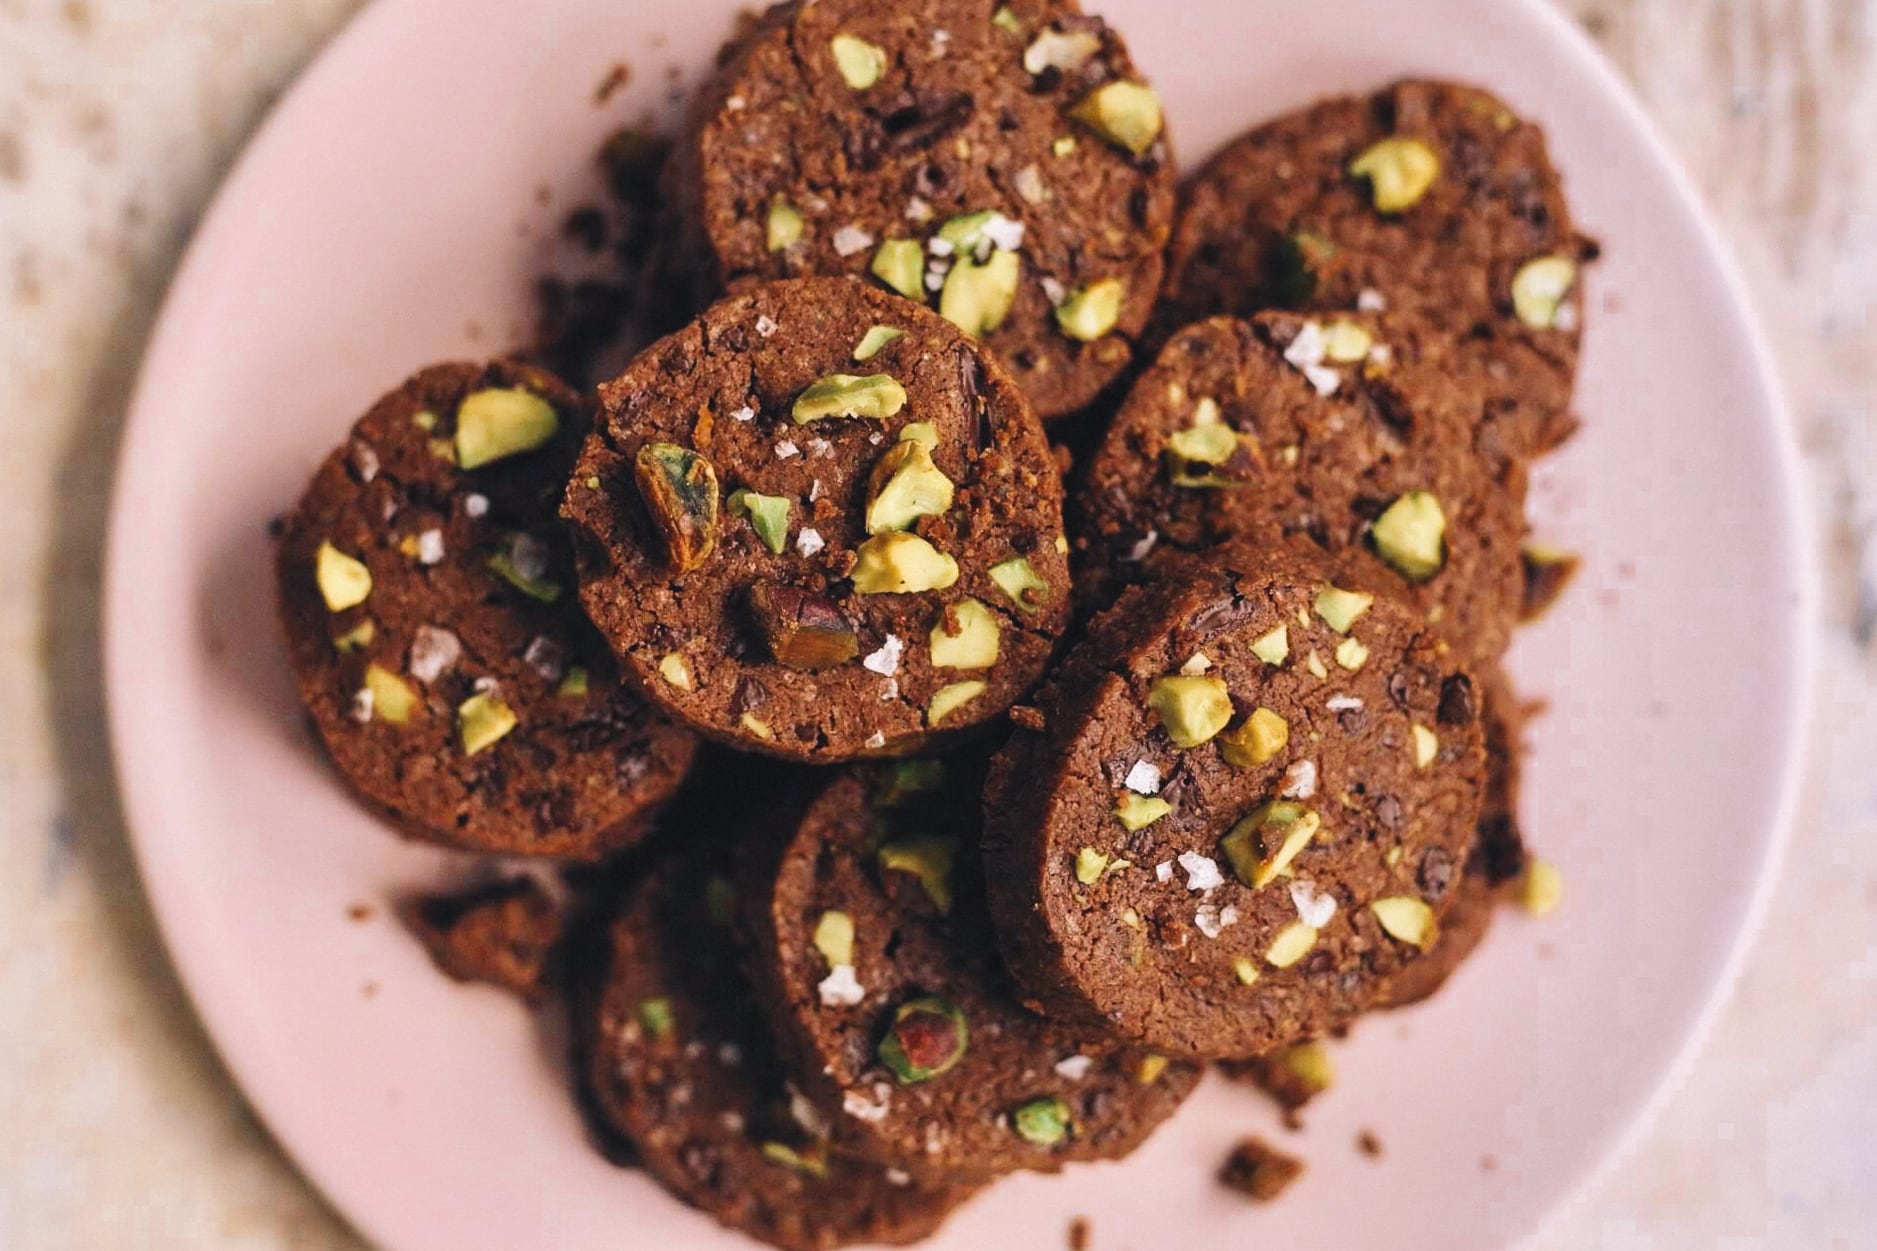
[[1548, 571], [675, 669], [877, 396], [343, 582], [574, 685], [1273, 648], [425, 420], [900, 264], [358, 638], [1090, 865], [1426, 745], [1407, 920], [1043, 1122], [655, 1017], [756, 727], [1341, 609], [949, 699], [1063, 145], [495, 423], [1091, 312], [809, 1162], [901, 563], [516, 567], [1310, 1064], [1004, 19], [876, 340], [393, 699], [1400, 171], [1151, 1066], [860, 62], [834, 938], [1541, 890], [927, 1039], [680, 491], [1411, 536], [1260, 739], [1137, 812], [1292, 944], [1352, 654], [1193, 709], [928, 857], [920, 432], [768, 516], [1262, 844], [1346, 343], [905, 485], [1020, 581], [1540, 289], [1210, 444], [967, 233], [784, 228], [482, 721], [967, 636], [1126, 114], [976, 298]]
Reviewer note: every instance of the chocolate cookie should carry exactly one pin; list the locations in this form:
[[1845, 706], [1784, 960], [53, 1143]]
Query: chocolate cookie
[[892, 1004], [821, 523], [1428, 198], [1351, 431], [1219, 840], [1002, 160], [428, 597], [678, 1060]]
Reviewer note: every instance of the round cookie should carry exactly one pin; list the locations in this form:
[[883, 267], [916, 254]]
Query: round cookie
[[1429, 198], [1001, 160], [677, 1059], [1351, 431], [812, 562], [428, 597], [890, 999], [1218, 840]]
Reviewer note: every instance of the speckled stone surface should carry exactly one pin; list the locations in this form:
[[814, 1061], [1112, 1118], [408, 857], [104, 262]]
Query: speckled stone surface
[[118, 1127]]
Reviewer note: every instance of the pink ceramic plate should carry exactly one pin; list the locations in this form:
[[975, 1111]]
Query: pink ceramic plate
[[391, 214]]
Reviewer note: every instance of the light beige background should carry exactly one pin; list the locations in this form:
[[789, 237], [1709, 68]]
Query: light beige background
[[118, 1129]]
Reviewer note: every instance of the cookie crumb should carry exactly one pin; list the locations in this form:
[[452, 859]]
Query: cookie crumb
[[1259, 1171], [504, 934], [1080, 1233], [617, 77], [1368, 1144], [360, 912]]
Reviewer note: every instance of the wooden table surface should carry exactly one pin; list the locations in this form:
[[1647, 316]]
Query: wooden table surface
[[118, 1128]]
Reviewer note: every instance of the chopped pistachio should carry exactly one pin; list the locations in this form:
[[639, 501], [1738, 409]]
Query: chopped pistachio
[[1062, 545], [1262, 845], [1408, 920], [1065, 50], [1004, 19], [1273, 648], [1245, 970], [1092, 311], [1540, 289], [1090, 865], [680, 491], [1400, 171], [901, 563], [949, 699], [1352, 654], [1151, 1066], [1126, 114], [1017, 579], [784, 228], [920, 432], [905, 485], [482, 721], [675, 669], [393, 699], [495, 423], [1314, 663], [812, 1162], [1411, 536], [755, 725], [1542, 888], [1137, 812], [1209, 444], [1548, 570], [969, 233], [876, 340], [514, 567], [977, 297], [1064, 145], [424, 420], [900, 264], [834, 938], [1263, 735], [358, 638], [1346, 343], [655, 1017], [1341, 609], [1292, 943], [967, 636], [343, 582], [928, 858], [927, 1038], [573, 685], [768, 516], [1309, 1063], [861, 63], [1043, 1122], [1426, 745], [1193, 709], [877, 396]]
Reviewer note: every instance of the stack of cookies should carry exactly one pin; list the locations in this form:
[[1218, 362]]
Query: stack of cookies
[[953, 820]]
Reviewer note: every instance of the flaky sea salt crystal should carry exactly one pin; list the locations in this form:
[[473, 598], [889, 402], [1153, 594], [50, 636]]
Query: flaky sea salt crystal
[[433, 652], [1202, 872]]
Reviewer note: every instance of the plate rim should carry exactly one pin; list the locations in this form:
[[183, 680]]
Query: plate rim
[[136, 788]]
